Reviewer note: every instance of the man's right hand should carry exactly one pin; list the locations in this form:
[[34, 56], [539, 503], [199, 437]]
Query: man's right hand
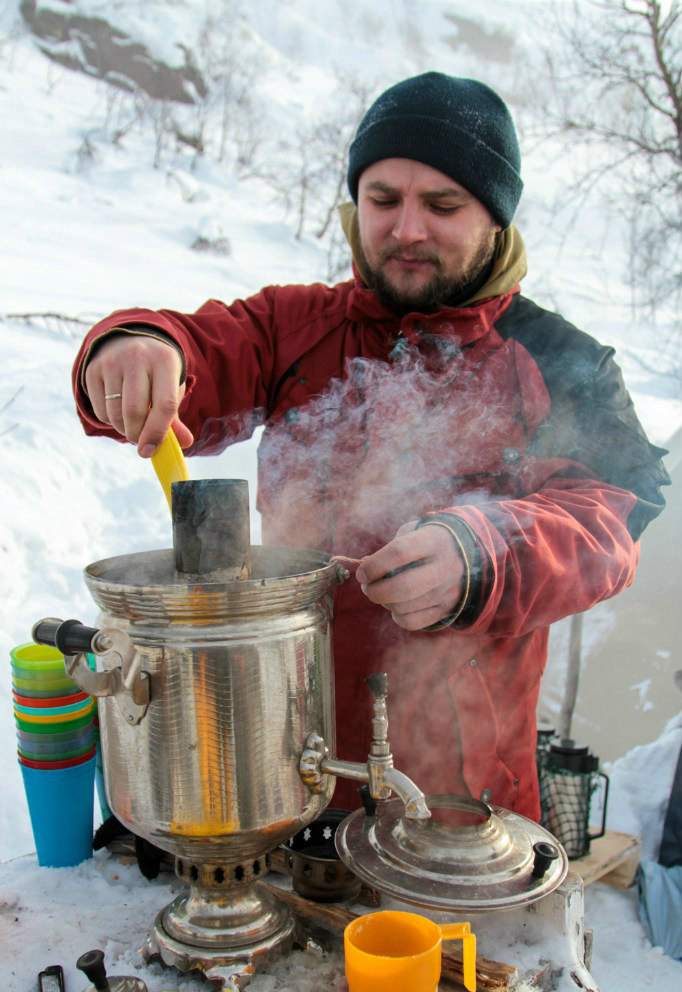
[[141, 376]]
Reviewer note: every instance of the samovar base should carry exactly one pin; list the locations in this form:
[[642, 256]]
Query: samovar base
[[223, 933]]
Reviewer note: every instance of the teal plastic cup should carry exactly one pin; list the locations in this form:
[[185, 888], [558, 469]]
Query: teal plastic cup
[[60, 804], [100, 784], [72, 709]]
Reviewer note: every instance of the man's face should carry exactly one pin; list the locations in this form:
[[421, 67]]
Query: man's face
[[424, 237]]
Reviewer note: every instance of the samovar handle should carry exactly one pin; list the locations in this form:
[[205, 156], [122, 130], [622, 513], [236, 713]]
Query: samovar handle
[[126, 682]]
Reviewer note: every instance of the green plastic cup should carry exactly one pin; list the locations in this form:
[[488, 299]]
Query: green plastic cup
[[30, 679], [43, 694], [65, 736], [37, 658], [53, 728]]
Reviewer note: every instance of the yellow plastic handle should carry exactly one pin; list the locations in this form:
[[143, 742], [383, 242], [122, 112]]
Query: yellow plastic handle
[[462, 931], [169, 463]]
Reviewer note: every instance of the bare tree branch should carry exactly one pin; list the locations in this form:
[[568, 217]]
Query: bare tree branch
[[616, 97]]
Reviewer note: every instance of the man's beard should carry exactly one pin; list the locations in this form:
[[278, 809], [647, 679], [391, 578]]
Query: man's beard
[[441, 290]]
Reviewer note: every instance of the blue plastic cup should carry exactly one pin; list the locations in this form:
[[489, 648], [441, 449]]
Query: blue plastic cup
[[60, 804]]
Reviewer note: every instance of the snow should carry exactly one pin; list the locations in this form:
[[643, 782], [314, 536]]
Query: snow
[[89, 226], [638, 800]]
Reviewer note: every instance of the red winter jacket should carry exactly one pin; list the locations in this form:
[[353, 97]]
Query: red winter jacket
[[500, 414]]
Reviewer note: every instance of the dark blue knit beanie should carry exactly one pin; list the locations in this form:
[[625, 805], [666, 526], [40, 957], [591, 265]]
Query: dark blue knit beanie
[[459, 126]]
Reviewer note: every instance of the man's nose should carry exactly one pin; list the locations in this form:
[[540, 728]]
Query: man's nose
[[409, 226]]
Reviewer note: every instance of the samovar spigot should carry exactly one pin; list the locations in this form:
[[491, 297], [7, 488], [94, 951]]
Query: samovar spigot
[[383, 777], [378, 772]]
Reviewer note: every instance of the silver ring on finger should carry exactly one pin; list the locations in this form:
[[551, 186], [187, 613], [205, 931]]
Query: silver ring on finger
[[113, 396]]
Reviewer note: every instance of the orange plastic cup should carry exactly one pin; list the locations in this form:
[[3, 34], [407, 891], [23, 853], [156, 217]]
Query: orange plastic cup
[[394, 950]]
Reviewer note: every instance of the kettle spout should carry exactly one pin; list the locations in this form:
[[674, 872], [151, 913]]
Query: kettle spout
[[411, 795]]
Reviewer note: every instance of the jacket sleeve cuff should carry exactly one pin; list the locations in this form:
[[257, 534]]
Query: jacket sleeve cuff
[[144, 330], [467, 609]]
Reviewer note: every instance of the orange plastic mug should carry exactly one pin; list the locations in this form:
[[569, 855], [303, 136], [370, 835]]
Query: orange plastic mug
[[390, 951]]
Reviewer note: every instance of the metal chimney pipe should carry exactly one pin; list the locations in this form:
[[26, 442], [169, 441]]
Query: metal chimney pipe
[[211, 529]]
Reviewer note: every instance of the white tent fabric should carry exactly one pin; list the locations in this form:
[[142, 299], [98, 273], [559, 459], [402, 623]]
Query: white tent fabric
[[660, 906]]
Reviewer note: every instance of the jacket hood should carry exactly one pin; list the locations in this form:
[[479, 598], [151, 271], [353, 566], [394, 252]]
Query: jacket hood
[[509, 261]]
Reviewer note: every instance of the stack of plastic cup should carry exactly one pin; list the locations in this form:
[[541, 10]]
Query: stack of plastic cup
[[56, 745]]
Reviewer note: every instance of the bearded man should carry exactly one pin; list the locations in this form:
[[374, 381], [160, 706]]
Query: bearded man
[[425, 414]]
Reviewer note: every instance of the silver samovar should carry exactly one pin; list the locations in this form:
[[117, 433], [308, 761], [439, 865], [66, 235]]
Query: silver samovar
[[216, 708], [216, 698]]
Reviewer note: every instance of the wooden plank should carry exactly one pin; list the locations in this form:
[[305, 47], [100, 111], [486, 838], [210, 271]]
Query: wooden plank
[[613, 858], [625, 874], [491, 976]]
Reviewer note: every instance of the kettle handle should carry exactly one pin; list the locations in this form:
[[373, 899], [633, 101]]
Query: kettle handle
[[602, 829], [127, 682], [68, 636], [74, 640]]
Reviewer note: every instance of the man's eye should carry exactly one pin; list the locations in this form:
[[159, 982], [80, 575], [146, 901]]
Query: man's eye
[[384, 202], [441, 208]]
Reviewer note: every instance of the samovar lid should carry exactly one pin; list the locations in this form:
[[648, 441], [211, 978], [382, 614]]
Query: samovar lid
[[494, 861], [146, 586]]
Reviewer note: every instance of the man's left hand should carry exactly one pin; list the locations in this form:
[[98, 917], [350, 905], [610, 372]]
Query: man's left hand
[[430, 576]]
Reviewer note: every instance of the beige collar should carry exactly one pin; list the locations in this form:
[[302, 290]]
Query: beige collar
[[509, 262]]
